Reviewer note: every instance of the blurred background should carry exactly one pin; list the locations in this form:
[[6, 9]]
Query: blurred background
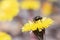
[[14, 27]]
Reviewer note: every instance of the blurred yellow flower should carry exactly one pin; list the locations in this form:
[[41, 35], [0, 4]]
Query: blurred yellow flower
[[30, 5], [47, 8], [5, 36], [40, 24], [8, 9]]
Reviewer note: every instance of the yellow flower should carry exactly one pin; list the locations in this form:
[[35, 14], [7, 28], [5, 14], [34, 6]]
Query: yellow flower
[[28, 27], [5, 36], [8, 9], [47, 22], [47, 8], [40, 24], [30, 5]]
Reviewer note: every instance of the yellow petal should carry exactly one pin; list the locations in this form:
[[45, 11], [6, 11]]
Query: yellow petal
[[46, 23], [33, 27], [27, 26]]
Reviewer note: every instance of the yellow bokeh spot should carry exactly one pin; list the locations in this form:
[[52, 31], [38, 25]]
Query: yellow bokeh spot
[[47, 9], [8, 9], [5, 36], [30, 5]]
